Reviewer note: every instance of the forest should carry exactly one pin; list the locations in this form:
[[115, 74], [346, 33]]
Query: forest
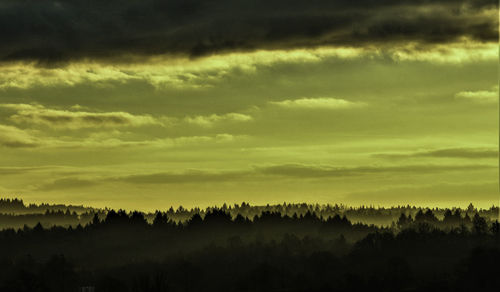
[[288, 247], [14, 213]]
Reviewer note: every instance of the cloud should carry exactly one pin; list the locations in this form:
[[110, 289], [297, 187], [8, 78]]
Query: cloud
[[190, 176], [209, 121], [465, 153], [16, 138], [40, 115], [180, 177], [315, 171], [20, 170], [482, 96], [68, 183], [103, 142], [164, 70], [50, 31], [317, 103], [462, 51], [258, 173], [74, 119], [174, 72]]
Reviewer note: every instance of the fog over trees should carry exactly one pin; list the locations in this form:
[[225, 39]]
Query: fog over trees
[[288, 247]]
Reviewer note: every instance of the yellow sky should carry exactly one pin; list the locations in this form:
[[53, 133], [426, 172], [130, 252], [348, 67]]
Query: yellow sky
[[374, 125]]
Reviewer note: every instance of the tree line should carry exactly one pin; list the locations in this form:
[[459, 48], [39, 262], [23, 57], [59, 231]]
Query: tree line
[[14, 213], [214, 250]]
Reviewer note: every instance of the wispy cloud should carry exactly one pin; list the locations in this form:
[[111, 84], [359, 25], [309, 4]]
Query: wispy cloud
[[318, 103], [319, 171], [177, 142], [68, 183], [17, 138], [481, 96], [74, 118], [295, 171], [13, 137], [190, 176], [14, 170], [211, 120], [55, 118], [172, 177], [464, 153]]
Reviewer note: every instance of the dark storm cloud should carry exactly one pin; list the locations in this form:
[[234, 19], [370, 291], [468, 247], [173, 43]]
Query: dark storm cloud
[[465, 153], [50, 30]]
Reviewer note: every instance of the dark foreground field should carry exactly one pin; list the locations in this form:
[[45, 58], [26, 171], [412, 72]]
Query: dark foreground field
[[457, 250]]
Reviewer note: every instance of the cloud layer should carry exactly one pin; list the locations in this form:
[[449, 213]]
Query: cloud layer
[[276, 172], [209, 121], [16, 138], [40, 115], [312, 171], [50, 30], [465, 153], [317, 103], [481, 96]]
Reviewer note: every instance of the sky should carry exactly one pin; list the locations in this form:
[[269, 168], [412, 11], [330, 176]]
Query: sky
[[147, 104]]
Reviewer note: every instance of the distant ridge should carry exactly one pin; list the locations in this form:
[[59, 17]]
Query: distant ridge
[[18, 206]]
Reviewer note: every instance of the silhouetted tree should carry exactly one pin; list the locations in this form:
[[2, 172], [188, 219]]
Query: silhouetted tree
[[479, 225]]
